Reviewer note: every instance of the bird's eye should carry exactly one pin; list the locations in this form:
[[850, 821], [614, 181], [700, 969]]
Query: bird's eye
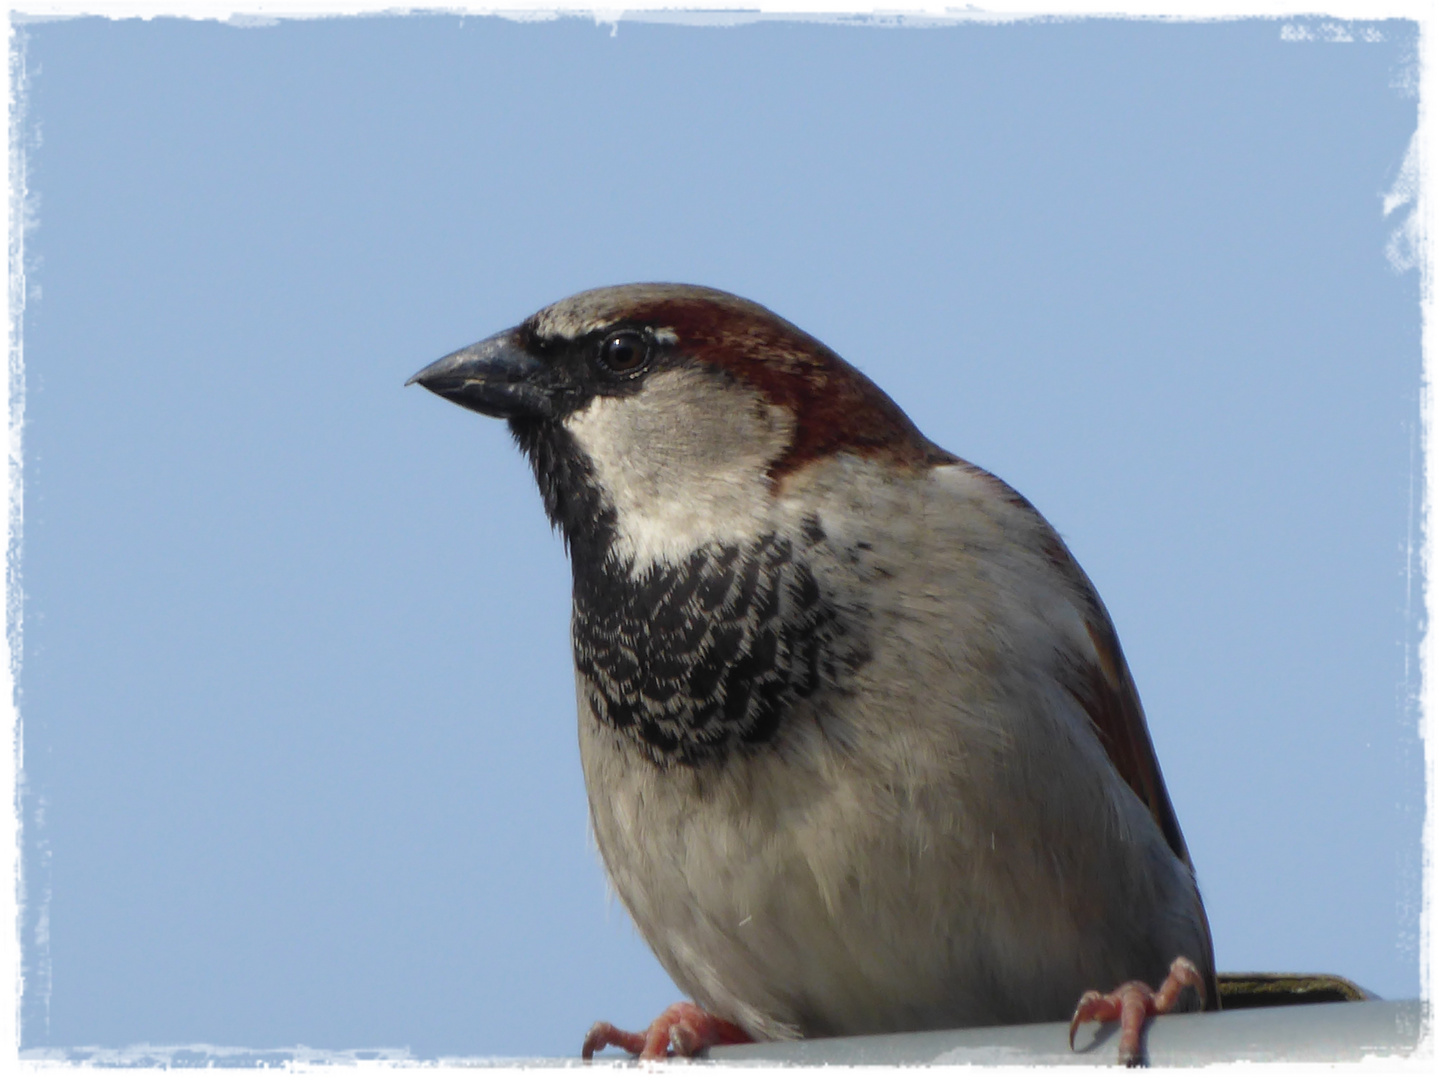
[[625, 353]]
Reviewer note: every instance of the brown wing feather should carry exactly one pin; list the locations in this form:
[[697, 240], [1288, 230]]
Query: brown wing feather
[[1105, 690], [1107, 693]]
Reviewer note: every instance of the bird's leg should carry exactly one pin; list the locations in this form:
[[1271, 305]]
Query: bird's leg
[[688, 1028], [1132, 1002]]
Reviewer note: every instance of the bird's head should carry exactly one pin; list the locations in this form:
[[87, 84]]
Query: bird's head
[[662, 417]]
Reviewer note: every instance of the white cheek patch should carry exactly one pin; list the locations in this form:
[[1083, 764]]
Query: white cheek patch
[[683, 462]]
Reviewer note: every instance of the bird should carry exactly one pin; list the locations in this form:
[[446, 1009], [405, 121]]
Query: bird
[[861, 749]]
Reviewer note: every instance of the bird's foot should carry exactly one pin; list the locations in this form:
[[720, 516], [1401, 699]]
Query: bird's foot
[[1132, 1002], [686, 1027]]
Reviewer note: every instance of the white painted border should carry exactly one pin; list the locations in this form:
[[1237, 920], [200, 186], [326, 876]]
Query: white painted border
[[1411, 190]]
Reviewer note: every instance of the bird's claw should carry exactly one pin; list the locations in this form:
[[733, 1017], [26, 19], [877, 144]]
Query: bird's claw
[[1132, 1002], [686, 1028], [603, 1034]]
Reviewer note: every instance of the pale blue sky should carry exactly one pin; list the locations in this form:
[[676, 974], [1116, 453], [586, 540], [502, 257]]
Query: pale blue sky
[[296, 690]]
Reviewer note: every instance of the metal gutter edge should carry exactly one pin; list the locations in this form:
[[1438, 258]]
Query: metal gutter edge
[[1342, 1031]]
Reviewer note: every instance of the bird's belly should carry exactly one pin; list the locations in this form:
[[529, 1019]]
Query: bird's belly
[[736, 912], [797, 898]]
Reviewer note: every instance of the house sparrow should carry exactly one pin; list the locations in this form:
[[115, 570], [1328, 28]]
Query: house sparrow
[[861, 748]]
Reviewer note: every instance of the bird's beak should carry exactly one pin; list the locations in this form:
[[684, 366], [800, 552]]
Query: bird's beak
[[497, 377]]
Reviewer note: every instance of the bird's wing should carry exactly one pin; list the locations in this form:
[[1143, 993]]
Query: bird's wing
[[1102, 685], [1094, 671]]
